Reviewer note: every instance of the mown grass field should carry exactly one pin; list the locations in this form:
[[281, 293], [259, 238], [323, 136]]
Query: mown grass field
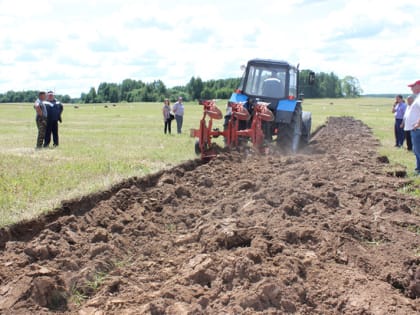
[[100, 146]]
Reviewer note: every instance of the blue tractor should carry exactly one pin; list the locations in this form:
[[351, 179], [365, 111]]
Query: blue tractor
[[277, 83]]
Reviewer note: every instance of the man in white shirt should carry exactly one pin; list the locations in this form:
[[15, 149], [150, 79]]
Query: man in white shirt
[[178, 110], [407, 129], [413, 123]]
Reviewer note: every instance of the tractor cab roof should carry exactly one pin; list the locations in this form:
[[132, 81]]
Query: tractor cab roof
[[270, 62]]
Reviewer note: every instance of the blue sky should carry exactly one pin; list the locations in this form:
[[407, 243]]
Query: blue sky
[[71, 45]]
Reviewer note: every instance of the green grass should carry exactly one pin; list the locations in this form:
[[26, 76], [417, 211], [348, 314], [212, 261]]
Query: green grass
[[80, 294], [100, 146], [96, 282], [77, 297]]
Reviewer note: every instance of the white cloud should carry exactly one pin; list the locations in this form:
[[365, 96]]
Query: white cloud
[[72, 45]]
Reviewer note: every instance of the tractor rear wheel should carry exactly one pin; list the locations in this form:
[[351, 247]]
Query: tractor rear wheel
[[288, 135], [306, 128]]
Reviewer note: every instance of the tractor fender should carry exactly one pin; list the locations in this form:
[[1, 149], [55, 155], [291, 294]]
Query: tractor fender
[[285, 109], [238, 98]]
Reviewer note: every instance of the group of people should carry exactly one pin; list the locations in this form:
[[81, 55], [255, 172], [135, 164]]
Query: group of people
[[169, 114], [407, 122], [48, 113]]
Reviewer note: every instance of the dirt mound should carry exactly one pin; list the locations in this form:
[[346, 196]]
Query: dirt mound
[[322, 232]]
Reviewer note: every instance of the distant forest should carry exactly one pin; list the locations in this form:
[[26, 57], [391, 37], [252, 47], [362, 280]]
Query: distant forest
[[327, 85]]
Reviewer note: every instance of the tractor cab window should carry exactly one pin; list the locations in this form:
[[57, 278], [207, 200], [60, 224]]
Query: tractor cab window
[[292, 83], [266, 82]]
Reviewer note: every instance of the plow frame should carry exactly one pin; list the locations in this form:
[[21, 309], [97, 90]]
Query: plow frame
[[255, 132], [232, 133], [205, 133]]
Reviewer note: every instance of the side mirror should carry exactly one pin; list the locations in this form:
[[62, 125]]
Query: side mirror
[[243, 67], [301, 96], [311, 78]]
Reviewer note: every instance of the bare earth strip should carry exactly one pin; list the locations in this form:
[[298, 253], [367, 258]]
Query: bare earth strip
[[322, 232]]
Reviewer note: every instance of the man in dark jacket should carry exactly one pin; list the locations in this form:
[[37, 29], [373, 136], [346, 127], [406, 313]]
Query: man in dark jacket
[[54, 109]]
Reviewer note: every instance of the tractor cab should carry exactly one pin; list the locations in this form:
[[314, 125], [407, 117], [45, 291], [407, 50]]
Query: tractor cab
[[269, 80], [272, 82]]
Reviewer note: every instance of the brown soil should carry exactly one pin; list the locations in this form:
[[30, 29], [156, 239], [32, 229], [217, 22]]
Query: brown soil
[[322, 232]]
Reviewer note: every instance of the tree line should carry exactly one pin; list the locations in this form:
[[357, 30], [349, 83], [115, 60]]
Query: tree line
[[327, 85], [28, 97], [131, 90]]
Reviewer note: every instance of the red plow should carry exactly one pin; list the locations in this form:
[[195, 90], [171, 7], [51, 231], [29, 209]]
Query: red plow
[[234, 131]]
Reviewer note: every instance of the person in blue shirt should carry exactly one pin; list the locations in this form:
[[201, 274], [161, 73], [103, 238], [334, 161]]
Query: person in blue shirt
[[55, 110], [399, 110]]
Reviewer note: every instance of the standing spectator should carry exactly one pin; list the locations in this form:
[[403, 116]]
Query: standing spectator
[[407, 129], [398, 110], [54, 109], [178, 110], [413, 122], [167, 116], [41, 118]]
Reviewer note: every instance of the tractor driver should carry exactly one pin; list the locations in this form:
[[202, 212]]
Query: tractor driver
[[272, 86], [274, 75]]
